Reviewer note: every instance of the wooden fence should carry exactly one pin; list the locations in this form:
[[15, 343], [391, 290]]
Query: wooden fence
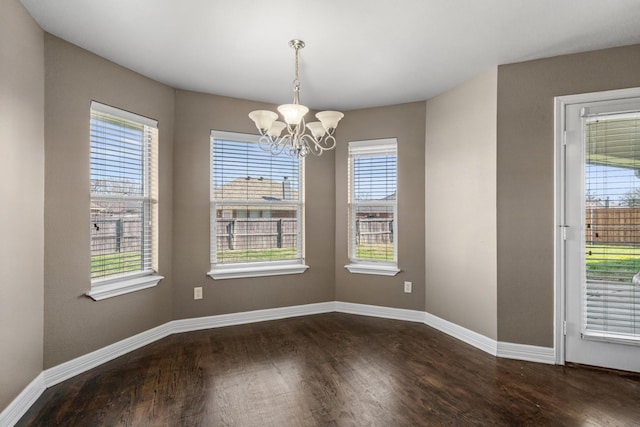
[[612, 226], [116, 235], [374, 231], [604, 226], [124, 234], [264, 233], [256, 233]]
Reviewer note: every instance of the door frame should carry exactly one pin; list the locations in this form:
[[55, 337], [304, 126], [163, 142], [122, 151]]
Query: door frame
[[560, 105]]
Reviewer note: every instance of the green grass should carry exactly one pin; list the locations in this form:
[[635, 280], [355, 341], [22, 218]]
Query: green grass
[[244, 255], [372, 252], [609, 260], [117, 263], [127, 262], [375, 252]]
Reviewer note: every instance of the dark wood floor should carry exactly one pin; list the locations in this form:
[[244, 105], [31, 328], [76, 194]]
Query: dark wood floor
[[332, 369]]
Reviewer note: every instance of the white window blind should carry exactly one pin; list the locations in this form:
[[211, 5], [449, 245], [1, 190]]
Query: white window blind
[[373, 201], [612, 227], [123, 194], [256, 203]]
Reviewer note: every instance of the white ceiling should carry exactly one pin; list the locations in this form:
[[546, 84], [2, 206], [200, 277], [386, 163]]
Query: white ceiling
[[360, 53]]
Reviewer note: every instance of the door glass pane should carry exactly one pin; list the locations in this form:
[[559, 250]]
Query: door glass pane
[[611, 297]]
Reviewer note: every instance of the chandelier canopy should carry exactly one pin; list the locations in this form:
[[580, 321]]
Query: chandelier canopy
[[299, 138]]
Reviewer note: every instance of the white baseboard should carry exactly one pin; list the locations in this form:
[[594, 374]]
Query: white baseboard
[[495, 348], [531, 353], [468, 336], [52, 376], [378, 311], [57, 374], [21, 404], [66, 370], [218, 321]]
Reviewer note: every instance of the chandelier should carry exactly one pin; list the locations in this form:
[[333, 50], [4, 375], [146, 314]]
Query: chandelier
[[296, 141]]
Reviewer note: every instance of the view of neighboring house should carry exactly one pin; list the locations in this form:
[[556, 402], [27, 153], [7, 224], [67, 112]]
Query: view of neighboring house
[[259, 189]]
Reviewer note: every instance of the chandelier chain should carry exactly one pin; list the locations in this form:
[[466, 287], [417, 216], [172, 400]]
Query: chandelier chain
[[296, 80], [297, 64]]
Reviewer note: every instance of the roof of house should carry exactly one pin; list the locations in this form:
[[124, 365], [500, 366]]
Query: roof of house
[[259, 188]]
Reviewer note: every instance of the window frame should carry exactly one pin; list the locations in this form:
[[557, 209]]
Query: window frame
[[108, 287], [364, 266], [234, 270]]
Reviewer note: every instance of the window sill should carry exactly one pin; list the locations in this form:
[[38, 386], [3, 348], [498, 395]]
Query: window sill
[[377, 269], [255, 270], [113, 288]]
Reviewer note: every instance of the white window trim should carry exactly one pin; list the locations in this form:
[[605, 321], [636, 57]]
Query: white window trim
[[356, 266], [109, 288], [123, 114], [371, 268], [255, 269], [114, 286]]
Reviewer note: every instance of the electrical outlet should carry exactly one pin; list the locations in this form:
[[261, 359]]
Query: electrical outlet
[[197, 293], [407, 287]]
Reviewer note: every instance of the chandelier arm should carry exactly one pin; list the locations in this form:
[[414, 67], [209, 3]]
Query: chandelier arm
[[265, 142], [273, 145], [295, 133], [282, 145], [325, 143], [326, 140], [312, 145], [291, 151]]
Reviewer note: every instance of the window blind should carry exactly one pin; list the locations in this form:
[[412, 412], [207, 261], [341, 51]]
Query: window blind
[[256, 202], [372, 200], [612, 227], [123, 194]]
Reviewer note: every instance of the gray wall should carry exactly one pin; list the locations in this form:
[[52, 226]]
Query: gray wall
[[525, 178], [196, 115], [74, 324], [22, 199], [405, 122], [461, 266]]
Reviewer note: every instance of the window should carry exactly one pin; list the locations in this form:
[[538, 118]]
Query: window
[[373, 208], [123, 201], [256, 209]]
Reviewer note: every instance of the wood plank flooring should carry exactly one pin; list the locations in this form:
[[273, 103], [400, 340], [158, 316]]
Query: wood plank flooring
[[332, 370]]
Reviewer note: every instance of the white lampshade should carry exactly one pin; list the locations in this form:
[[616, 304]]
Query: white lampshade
[[276, 129], [263, 119], [293, 113], [329, 119], [316, 128]]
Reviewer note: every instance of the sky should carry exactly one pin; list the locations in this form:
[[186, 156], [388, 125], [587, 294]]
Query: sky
[[612, 182]]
